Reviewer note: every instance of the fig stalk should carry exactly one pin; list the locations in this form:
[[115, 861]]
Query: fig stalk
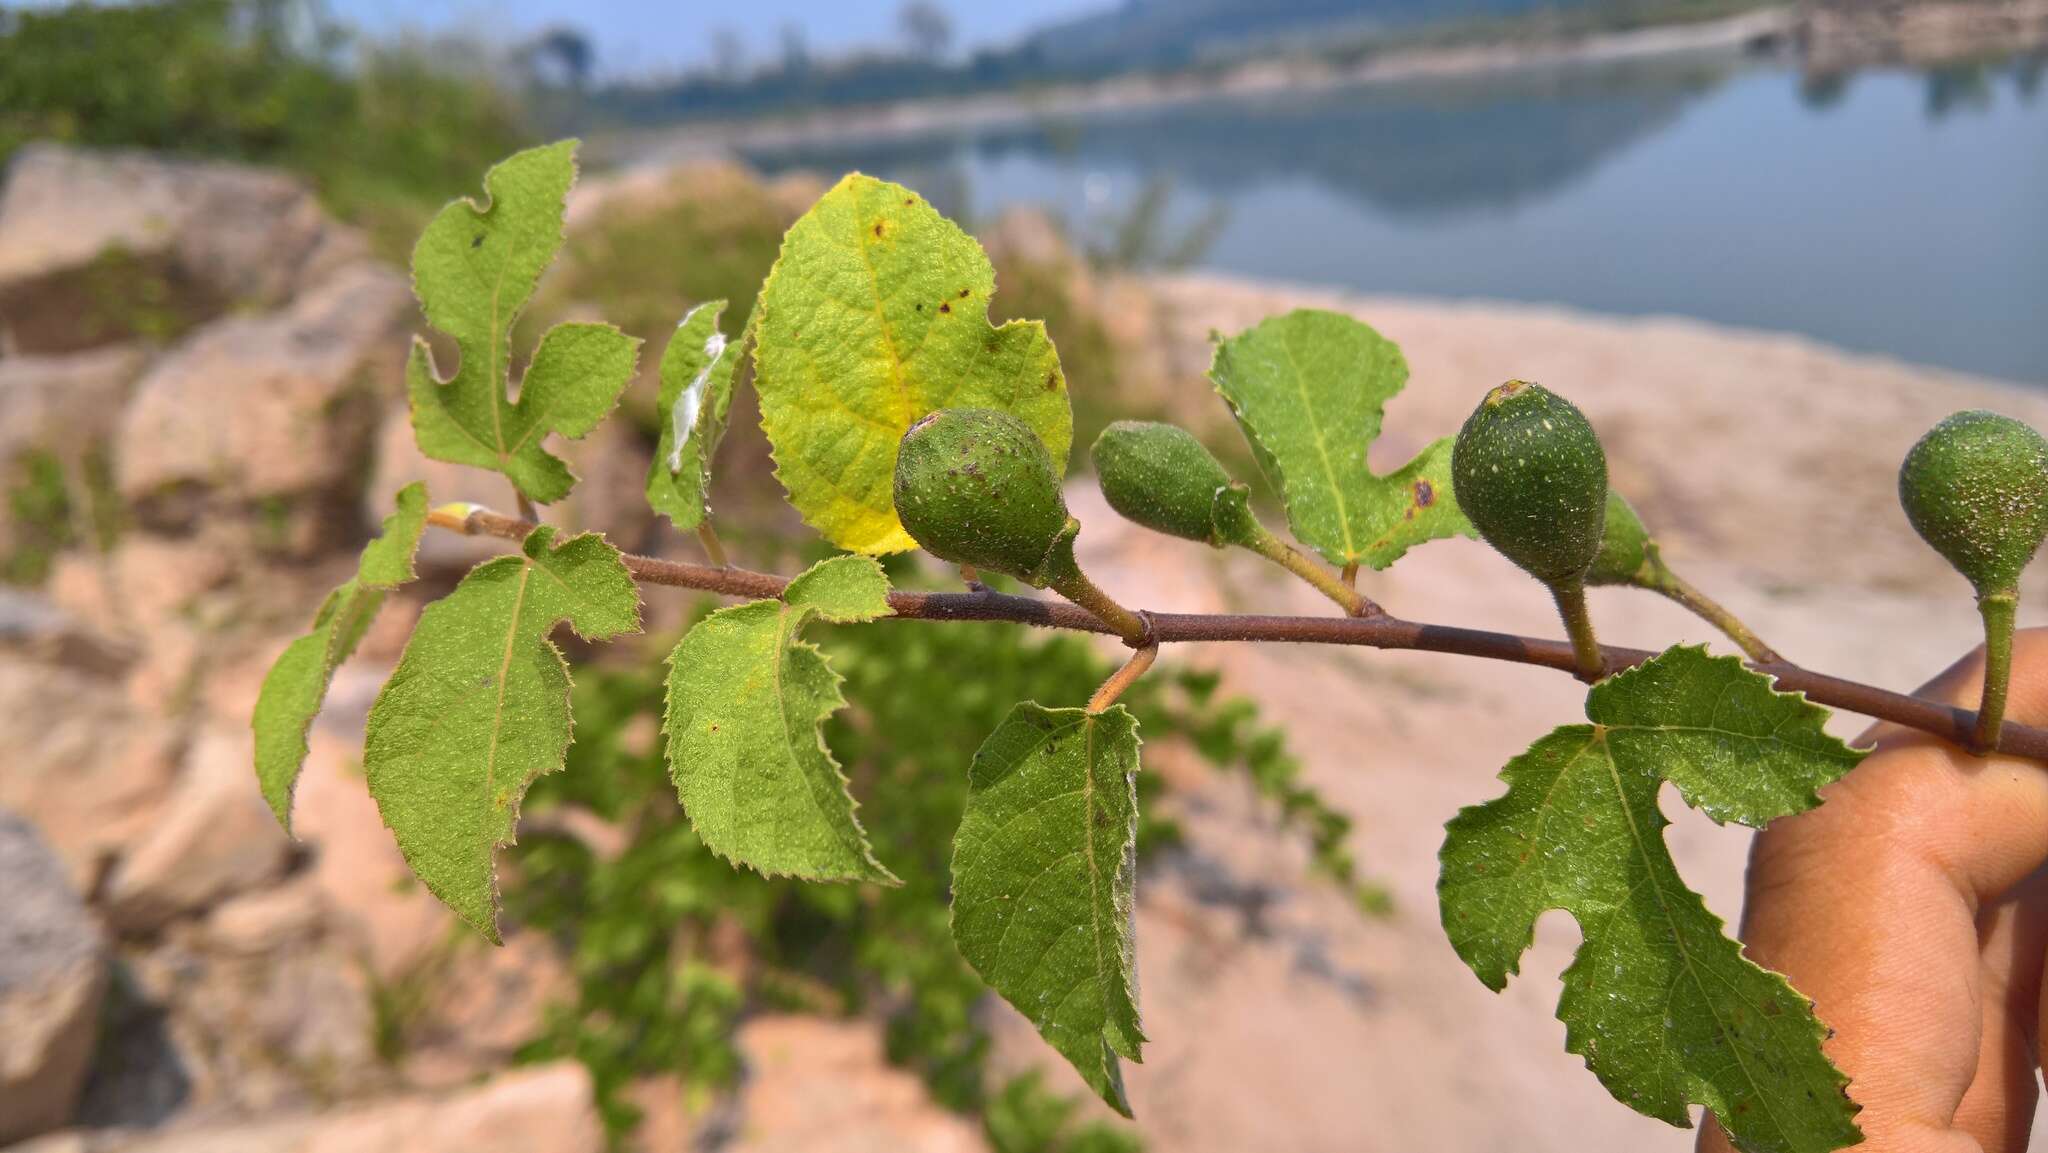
[[1578, 625], [1998, 612]]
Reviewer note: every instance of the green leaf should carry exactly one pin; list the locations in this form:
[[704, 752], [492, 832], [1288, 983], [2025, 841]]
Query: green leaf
[[479, 706], [474, 270], [1309, 389], [1662, 1005], [1044, 866], [746, 697], [876, 314], [296, 685], [696, 394]]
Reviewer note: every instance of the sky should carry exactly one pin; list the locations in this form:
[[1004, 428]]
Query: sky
[[650, 37]]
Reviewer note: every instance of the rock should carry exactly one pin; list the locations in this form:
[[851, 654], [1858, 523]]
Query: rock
[[1838, 36], [481, 1004], [265, 921], [372, 899], [824, 1086], [545, 1109], [266, 413], [52, 974], [214, 838], [34, 628], [63, 402], [67, 1142], [255, 236], [91, 772]]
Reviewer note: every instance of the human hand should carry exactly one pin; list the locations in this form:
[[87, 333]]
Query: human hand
[[1913, 908]]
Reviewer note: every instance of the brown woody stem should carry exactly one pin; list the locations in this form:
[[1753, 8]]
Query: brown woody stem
[[1384, 632]]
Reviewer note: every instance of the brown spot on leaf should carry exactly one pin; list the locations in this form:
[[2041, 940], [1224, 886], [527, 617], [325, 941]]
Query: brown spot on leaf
[[945, 308], [878, 228], [478, 242], [1052, 381], [1425, 494], [963, 294]]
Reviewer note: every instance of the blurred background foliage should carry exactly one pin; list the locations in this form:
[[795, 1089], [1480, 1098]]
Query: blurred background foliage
[[671, 946], [384, 130]]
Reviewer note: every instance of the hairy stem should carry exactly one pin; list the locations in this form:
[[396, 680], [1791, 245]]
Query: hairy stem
[[1382, 632], [1998, 610], [1123, 678], [1677, 588], [1578, 625], [1321, 579], [714, 549], [526, 509]]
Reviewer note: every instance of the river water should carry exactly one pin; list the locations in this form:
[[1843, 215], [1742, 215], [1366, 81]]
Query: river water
[[1894, 212]]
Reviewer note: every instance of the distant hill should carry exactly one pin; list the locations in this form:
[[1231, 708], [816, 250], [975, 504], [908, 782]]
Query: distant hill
[[1156, 33]]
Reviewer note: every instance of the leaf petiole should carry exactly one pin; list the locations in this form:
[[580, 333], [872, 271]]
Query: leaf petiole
[[1122, 679]]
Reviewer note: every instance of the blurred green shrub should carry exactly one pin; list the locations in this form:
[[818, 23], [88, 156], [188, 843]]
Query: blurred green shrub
[[671, 946], [385, 132]]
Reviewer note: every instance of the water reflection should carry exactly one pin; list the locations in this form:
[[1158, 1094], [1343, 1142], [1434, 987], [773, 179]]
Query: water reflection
[[1887, 212], [1429, 150]]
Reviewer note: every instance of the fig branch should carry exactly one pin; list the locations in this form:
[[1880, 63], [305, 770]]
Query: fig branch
[[1382, 632]]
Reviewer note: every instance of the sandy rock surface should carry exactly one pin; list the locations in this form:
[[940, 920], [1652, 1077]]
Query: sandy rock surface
[[255, 235]]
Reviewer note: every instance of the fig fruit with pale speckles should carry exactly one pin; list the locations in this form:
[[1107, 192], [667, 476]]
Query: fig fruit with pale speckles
[[1532, 477], [1976, 488], [976, 486]]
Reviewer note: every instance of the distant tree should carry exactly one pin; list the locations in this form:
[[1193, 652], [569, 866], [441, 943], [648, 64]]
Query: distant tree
[[796, 50], [562, 57], [926, 29], [728, 52]]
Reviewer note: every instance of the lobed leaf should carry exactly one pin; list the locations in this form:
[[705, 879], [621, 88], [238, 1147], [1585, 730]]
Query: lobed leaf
[[479, 706], [876, 314], [296, 685], [1044, 868], [746, 699], [1659, 1001], [696, 394], [474, 270], [1309, 389]]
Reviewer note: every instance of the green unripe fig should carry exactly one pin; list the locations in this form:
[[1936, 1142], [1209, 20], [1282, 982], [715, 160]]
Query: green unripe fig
[[1160, 476], [977, 487], [1530, 474], [1976, 488], [1627, 554]]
